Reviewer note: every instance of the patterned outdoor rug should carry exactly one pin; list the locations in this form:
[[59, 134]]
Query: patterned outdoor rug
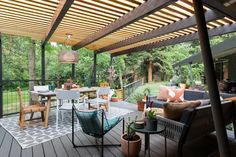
[[35, 133]]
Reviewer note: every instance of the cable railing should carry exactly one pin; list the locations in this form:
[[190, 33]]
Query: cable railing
[[129, 88], [10, 102]]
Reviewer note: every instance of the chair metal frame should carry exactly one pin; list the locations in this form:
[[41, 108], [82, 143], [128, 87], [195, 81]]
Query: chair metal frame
[[102, 135]]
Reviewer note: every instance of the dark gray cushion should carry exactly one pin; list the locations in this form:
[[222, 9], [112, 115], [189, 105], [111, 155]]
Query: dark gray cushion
[[156, 103], [193, 94]]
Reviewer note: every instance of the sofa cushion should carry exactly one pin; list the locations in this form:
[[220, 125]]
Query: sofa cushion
[[193, 94], [173, 110]]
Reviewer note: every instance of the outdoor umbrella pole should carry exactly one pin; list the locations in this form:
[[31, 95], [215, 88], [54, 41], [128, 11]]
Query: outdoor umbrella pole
[[216, 108]]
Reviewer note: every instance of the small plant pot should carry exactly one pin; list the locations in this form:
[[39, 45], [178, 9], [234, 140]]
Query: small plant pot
[[151, 124], [140, 105], [134, 146], [115, 99]]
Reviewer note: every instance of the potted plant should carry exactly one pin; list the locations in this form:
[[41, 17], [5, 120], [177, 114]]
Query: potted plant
[[151, 120], [131, 138], [139, 99], [146, 92]]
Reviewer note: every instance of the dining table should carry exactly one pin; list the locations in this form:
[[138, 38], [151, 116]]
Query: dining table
[[50, 94]]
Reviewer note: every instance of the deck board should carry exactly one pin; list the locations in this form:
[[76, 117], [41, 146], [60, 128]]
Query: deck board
[[62, 147]]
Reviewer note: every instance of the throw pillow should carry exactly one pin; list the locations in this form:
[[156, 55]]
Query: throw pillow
[[176, 95], [174, 110], [163, 94]]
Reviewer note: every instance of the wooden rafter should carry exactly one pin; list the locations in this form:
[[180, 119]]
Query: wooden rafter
[[217, 5], [63, 7], [213, 32], [143, 10], [182, 24]]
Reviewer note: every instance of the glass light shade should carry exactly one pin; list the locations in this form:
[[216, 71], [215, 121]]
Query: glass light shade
[[68, 56]]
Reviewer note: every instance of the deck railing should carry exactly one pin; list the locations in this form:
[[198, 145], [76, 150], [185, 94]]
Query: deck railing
[[10, 102], [129, 88]]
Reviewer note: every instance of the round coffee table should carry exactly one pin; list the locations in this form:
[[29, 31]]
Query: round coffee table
[[160, 129]]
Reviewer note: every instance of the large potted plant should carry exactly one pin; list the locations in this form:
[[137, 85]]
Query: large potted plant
[[151, 120], [146, 92], [130, 141], [139, 99]]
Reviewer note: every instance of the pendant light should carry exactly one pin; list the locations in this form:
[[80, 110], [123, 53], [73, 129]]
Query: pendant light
[[68, 56]]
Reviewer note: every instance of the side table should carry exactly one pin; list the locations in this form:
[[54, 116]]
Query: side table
[[160, 129]]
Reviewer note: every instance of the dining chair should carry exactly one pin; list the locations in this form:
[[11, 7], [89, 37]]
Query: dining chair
[[102, 99], [24, 109], [64, 102], [95, 123]]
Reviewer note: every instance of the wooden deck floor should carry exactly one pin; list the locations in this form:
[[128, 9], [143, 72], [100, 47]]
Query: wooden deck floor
[[62, 147]]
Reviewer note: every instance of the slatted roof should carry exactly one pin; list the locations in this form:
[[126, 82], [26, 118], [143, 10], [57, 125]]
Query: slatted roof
[[116, 26]]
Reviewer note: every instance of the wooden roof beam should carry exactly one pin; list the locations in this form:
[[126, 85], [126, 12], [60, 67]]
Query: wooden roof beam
[[228, 11], [141, 11], [182, 24], [213, 32], [63, 7]]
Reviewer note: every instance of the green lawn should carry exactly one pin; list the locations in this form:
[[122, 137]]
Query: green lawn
[[11, 101], [154, 88]]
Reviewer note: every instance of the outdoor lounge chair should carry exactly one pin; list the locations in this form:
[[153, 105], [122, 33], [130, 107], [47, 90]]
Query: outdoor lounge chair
[[94, 123]]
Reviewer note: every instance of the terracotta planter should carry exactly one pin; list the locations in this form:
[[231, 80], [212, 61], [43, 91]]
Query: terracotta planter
[[115, 99], [151, 124], [140, 105], [134, 146]]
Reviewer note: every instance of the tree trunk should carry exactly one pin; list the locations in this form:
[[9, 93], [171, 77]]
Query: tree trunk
[[149, 71], [32, 64]]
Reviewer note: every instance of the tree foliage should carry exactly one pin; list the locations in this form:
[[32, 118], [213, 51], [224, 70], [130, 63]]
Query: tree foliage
[[128, 67]]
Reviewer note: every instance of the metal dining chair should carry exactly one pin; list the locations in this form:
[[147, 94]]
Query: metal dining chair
[[103, 94], [64, 102]]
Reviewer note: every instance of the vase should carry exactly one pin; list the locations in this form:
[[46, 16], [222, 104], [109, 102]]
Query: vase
[[151, 124]]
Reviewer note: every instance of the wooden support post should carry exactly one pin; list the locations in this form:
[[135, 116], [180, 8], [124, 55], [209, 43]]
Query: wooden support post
[[149, 71], [191, 74], [73, 71], [1, 82], [216, 107], [43, 63], [94, 69]]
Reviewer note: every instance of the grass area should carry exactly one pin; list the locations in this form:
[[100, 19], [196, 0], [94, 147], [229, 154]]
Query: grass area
[[11, 101], [154, 89]]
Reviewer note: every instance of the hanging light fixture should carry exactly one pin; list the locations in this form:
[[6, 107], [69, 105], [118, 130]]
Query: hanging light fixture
[[68, 56]]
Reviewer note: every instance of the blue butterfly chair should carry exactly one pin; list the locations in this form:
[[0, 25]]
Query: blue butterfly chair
[[94, 123]]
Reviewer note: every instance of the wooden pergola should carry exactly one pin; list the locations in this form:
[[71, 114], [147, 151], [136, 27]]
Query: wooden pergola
[[122, 27]]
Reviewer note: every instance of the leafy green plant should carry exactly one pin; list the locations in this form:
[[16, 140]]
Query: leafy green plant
[[147, 91], [151, 115], [138, 96], [129, 131]]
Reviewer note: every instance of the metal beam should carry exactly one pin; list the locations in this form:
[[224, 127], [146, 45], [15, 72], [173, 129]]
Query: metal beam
[[43, 63], [73, 71], [60, 12], [1, 82], [182, 24], [94, 69], [217, 113], [141, 11], [212, 32], [229, 11]]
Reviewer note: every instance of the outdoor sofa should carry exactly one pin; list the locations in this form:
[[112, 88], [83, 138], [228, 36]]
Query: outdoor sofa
[[194, 123]]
